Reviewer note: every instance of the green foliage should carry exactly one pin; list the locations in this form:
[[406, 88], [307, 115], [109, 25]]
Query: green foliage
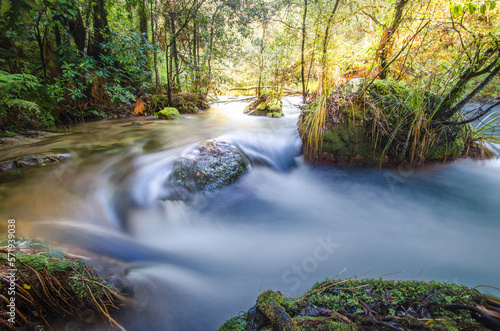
[[459, 9], [234, 324], [13, 85], [17, 112]]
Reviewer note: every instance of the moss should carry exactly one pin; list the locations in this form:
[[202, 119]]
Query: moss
[[61, 266], [7, 134], [275, 115], [269, 106], [451, 141], [35, 261], [234, 324], [168, 113], [269, 303], [310, 323], [156, 104]]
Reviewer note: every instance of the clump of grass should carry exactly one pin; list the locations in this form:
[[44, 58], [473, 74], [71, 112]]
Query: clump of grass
[[487, 131], [393, 124]]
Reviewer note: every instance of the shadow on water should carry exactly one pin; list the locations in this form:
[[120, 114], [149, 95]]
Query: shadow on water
[[284, 225]]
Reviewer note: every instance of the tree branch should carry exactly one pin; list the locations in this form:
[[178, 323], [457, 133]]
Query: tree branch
[[480, 113], [450, 112]]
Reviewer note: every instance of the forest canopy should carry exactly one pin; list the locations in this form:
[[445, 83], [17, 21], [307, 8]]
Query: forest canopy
[[67, 60]]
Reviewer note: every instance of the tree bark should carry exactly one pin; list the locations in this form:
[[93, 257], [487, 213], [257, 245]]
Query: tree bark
[[302, 64], [143, 19], [154, 28], [101, 29], [327, 31], [447, 112], [386, 41]]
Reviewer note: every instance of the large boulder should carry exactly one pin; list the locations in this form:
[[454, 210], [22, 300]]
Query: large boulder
[[265, 105], [211, 166]]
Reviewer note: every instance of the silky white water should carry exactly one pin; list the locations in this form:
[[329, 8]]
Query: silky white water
[[283, 226]]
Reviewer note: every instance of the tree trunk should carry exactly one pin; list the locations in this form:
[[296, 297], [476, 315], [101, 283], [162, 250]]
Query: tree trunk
[[327, 32], [100, 19], [386, 41], [446, 111], [302, 62], [143, 19], [261, 67], [154, 29], [174, 52], [168, 62]]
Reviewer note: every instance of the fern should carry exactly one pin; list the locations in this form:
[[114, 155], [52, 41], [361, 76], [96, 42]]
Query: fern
[[23, 105], [11, 85]]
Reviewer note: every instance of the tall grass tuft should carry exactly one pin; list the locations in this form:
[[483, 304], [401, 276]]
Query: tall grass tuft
[[487, 131], [314, 120]]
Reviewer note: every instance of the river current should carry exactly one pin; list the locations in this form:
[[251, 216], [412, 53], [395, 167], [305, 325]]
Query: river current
[[283, 226]]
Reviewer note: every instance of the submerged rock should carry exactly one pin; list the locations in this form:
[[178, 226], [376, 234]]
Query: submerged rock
[[269, 106], [209, 167], [33, 161], [372, 303]]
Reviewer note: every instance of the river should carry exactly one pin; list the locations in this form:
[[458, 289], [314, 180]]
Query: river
[[283, 226]]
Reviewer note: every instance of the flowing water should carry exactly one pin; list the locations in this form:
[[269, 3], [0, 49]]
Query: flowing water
[[283, 226]]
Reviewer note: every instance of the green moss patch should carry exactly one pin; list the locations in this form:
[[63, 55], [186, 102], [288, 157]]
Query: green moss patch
[[265, 105], [168, 113]]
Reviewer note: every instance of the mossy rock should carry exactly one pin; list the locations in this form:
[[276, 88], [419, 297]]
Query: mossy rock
[[391, 124], [362, 304], [55, 287], [265, 105], [168, 113], [212, 165]]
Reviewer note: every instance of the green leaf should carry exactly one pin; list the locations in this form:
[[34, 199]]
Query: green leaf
[[493, 4], [472, 8], [4, 6], [482, 9], [456, 10]]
